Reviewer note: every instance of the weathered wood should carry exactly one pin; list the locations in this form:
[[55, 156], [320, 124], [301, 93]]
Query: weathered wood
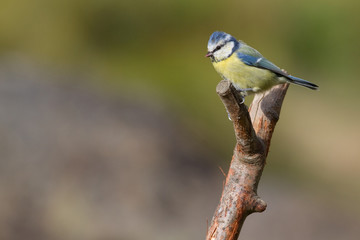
[[253, 132]]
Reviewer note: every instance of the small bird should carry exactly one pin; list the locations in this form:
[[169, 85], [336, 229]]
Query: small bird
[[245, 67]]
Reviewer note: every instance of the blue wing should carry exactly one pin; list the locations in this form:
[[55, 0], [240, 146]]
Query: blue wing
[[255, 59], [260, 62], [252, 57]]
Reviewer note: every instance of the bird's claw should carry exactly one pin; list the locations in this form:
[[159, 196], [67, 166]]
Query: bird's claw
[[229, 116], [242, 99]]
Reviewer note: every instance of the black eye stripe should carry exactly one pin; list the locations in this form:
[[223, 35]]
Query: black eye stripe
[[218, 47]]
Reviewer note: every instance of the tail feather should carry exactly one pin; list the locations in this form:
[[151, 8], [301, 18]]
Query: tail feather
[[302, 82]]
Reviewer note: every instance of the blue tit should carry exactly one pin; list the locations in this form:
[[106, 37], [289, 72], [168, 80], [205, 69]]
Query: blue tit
[[245, 67]]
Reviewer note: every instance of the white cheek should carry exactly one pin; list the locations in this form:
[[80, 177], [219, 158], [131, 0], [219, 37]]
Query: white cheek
[[225, 51]]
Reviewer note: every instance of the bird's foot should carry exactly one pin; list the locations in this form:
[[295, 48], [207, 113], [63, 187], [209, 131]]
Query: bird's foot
[[243, 93], [242, 99]]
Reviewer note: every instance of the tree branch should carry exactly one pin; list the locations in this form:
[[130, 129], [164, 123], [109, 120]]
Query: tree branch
[[253, 132]]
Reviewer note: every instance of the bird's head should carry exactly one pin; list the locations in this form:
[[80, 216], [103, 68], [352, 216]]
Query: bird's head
[[221, 45]]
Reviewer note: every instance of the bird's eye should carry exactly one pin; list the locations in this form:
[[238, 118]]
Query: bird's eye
[[217, 48]]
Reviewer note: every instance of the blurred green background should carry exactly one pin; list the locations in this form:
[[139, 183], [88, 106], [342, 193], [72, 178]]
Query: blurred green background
[[69, 68]]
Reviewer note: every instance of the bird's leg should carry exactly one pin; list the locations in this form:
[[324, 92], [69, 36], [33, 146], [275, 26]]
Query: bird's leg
[[243, 93]]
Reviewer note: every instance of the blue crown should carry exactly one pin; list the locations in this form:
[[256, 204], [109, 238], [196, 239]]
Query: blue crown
[[217, 36]]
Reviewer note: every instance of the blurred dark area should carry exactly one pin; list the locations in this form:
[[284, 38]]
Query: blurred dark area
[[76, 165], [111, 127]]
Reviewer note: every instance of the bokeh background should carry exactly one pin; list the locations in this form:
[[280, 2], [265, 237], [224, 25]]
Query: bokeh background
[[111, 128]]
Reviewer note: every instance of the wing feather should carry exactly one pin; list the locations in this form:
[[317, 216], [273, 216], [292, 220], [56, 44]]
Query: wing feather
[[252, 57]]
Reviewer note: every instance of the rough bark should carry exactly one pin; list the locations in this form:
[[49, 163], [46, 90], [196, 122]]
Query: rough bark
[[253, 132]]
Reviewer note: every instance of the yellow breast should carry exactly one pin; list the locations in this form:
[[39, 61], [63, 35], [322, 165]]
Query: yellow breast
[[244, 76]]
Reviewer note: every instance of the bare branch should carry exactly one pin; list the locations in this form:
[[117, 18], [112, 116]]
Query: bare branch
[[253, 133], [265, 112]]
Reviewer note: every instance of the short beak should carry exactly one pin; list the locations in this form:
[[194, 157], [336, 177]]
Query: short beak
[[209, 54]]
